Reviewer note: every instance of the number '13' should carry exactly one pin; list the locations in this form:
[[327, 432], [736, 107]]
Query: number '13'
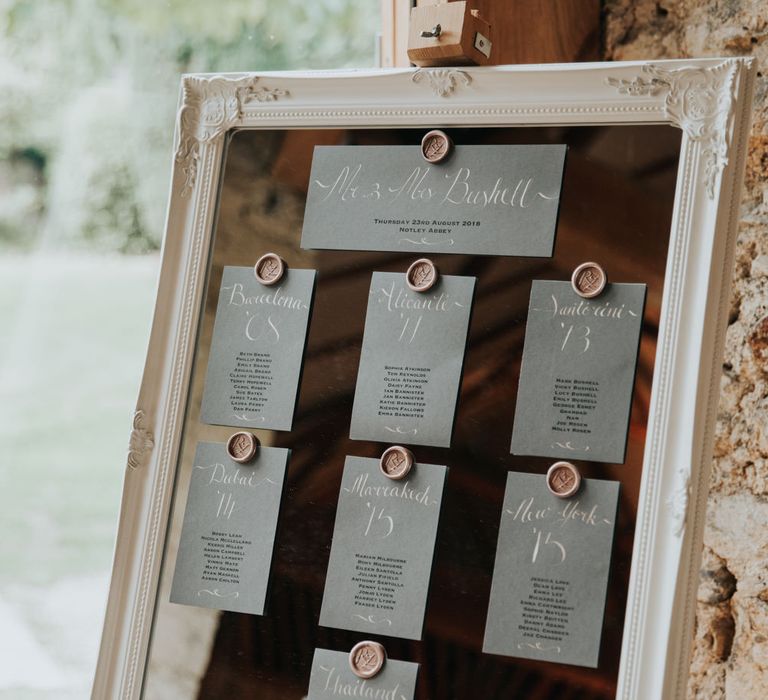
[[576, 333]]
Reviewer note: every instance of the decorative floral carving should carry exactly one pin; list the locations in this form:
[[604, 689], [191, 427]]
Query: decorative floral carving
[[637, 86], [141, 442], [210, 107], [678, 500], [699, 101], [443, 81], [264, 94]]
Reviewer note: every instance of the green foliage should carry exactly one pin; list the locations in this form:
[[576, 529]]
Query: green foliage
[[90, 87]]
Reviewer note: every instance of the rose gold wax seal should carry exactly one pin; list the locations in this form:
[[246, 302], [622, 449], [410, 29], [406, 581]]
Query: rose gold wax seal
[[421, 275], [563, 479], [269, 269], [435, 146], [241, 447], [396, 462], [366, 659], [588, 280]]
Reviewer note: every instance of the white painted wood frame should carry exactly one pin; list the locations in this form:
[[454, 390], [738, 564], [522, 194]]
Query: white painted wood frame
[[708, 99]]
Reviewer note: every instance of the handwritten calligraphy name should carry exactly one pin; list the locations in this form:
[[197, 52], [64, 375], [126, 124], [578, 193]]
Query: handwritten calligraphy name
[[571, 512], [272, 298], [402, 491], [336, 686], [459, 188], [588, 308], [238, 477], [401, 300]]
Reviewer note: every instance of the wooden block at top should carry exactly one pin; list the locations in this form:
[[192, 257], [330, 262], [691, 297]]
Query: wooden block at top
[[465, 38]]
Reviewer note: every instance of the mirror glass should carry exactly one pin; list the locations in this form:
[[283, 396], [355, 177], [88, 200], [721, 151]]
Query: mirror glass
[[616, 208]]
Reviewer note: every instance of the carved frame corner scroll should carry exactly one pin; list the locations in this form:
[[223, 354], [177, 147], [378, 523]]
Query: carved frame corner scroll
[[209, 108], [698, 100]]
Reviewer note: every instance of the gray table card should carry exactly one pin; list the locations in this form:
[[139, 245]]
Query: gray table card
[[382, 550], [551, 573], [411, 360], [331, 678], [486, 200], [257, 349], [228, 536], [578, 372]]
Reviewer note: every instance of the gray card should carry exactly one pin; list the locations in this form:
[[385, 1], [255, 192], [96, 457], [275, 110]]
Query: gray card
[[257, 349], [551, 572], [578, 372], [331, 677], [228, 536], [382, 550], [486, 200], [411, 360]]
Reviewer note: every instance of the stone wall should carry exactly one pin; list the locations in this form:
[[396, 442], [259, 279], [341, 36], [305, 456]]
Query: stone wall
[[730, 653]]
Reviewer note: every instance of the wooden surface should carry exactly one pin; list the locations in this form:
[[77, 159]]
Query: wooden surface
[[455, 46], [536, 31]]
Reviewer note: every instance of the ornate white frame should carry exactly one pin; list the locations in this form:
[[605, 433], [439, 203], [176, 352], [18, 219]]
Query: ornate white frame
[[709, 99]]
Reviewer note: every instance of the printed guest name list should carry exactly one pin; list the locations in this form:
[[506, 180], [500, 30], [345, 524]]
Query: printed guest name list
[[551, 573], [411, 360], [228, 536], [578, 372], [257, 349], [382, 550]]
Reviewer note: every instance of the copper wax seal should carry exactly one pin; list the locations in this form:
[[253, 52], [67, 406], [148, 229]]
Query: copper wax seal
[[435, 146], [366, 659], [269, 268], [563, 479], [588, 280], [396, 462], [241, 447], [421, 275]]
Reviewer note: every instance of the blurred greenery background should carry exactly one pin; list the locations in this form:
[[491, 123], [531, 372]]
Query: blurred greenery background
[[88, 95], [88, 91]]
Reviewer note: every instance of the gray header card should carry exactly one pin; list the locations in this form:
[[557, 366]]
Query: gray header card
[[411, 360], [486, 200], [578, 372], [257, 349], [228, 535], [382, 550], [332, 678], [551, 572]]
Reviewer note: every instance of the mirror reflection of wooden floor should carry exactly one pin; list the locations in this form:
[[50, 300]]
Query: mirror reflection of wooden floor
[[616, 209]]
